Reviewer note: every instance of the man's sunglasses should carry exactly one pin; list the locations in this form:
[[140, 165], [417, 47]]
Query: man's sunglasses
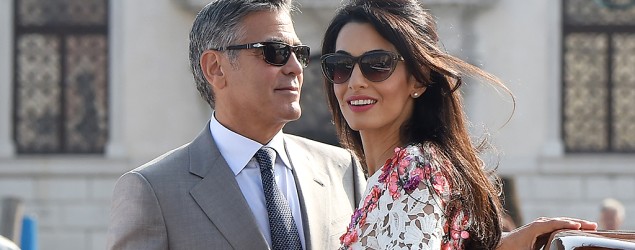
[[376, 66], [276, 53]]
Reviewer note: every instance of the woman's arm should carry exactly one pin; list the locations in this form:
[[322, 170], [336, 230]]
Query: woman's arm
[[535, 234]]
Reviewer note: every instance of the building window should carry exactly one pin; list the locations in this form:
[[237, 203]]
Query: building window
[[598, 76], [60, 76]]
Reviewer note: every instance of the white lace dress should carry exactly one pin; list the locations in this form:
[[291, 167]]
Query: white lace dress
[[404, 205]]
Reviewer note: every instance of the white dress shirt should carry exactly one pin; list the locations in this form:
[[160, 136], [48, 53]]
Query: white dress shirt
[[239, 153]]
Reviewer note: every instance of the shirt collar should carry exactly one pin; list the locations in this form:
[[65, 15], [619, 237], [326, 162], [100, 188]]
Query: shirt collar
[[238, 150]]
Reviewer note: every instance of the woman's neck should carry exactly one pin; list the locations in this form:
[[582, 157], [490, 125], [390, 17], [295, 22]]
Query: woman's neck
[[378, 147]]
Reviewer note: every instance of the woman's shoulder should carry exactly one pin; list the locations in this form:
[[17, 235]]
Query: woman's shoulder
[[417, 166], [425, 153], [418, 155]]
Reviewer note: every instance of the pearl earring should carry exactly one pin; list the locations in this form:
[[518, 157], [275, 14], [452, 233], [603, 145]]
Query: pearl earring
[[415, 95]]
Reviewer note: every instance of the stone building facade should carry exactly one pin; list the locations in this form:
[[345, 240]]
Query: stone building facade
[[152, 106]]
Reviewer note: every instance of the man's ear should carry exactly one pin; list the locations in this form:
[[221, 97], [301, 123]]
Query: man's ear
[[212, 68]]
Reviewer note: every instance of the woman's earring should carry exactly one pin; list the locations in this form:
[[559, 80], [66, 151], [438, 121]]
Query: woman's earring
[[415, 95]]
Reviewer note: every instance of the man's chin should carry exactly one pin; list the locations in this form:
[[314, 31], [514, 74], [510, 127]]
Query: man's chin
[[295, 117], [295, 112]]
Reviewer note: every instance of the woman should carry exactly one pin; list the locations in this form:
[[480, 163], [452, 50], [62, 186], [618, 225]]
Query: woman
[[393, 95]]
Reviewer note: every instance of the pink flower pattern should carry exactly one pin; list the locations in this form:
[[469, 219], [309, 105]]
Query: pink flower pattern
[[402, 174]]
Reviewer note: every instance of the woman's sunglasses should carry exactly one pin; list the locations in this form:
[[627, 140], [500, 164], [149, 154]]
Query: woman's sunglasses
[[276, 53], [376, 66]]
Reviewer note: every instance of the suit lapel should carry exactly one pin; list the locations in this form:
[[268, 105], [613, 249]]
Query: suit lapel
[[312, 191], [220, 197]]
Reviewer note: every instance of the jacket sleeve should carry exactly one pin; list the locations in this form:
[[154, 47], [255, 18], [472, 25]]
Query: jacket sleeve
[[359, 179], [136, 221]]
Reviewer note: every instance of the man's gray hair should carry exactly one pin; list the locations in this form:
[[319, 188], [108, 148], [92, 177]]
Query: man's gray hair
[[218, 25]]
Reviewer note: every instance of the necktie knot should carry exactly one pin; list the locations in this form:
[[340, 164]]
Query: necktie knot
[[266, 156]]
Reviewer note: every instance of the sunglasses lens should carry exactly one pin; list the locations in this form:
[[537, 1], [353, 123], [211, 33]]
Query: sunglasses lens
[[303, 53], [337, 68], [377, 67], [276, 53]]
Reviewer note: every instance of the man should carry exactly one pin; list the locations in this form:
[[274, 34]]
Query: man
[[212, 193]]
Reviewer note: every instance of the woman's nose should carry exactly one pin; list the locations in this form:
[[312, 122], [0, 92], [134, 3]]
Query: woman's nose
[[357, 79]]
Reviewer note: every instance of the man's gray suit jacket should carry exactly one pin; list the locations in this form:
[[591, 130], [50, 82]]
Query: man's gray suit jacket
[[189, 199]]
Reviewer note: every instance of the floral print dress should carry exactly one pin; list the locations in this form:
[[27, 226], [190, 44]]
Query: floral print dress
[[404, 205]]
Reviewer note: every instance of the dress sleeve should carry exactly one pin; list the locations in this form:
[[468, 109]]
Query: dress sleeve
[[405, 207]]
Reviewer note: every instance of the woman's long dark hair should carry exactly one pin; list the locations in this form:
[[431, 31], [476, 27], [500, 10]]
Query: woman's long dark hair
[[438, 114]]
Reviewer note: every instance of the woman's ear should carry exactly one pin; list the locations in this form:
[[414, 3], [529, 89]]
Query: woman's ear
[[212, 68], [418, 88]]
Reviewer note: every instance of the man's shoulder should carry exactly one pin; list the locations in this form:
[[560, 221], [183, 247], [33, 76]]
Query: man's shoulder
[[166, 161], [321, 152], [314, 145]]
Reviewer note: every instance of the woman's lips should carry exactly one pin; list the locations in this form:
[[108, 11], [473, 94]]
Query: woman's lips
[[360, 103]]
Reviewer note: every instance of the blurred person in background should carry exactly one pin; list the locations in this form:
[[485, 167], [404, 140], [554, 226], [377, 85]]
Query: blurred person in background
[[611, 215]]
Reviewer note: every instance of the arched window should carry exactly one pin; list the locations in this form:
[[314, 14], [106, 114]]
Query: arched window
[[60, 76], [598, 75]]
